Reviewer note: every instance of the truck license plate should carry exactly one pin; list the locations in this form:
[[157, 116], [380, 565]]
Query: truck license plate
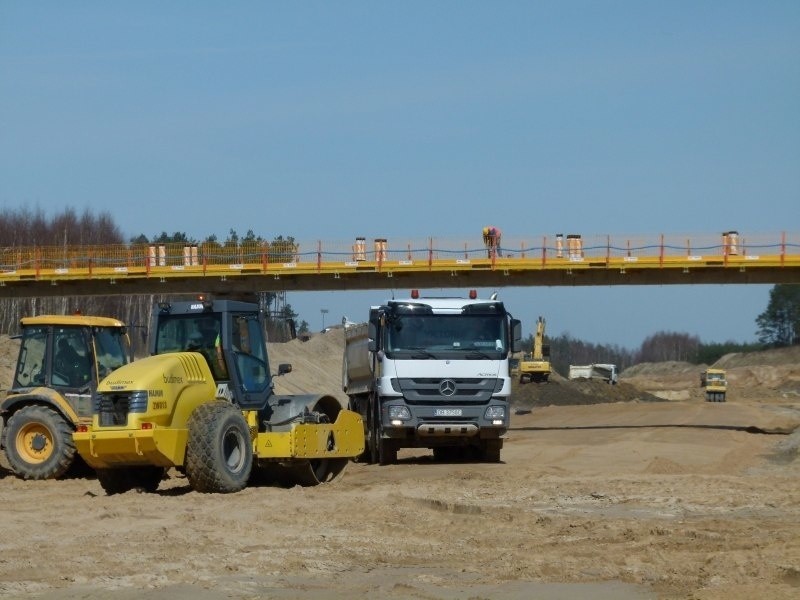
[[447, 412]]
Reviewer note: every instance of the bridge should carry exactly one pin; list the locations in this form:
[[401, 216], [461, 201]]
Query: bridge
[[380, 263]]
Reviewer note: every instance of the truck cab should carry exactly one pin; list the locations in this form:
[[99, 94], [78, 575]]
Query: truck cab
[[433, 373]]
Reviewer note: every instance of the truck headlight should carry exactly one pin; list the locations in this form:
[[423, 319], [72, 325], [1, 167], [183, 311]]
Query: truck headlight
[[495, 414], [398, 414]]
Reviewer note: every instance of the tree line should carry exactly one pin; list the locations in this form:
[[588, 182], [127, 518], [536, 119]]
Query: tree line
[[778, 326], [566, 350], [33, 228]]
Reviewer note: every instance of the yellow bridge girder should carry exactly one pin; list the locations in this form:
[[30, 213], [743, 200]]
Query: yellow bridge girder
[[388, 264]]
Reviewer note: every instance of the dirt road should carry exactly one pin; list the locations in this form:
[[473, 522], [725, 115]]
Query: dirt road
[[626, 500]]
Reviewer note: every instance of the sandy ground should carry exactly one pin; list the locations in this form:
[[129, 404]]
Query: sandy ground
[[619, 500]]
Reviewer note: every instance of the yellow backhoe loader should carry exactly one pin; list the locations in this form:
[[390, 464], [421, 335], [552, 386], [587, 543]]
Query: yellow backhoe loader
[[62, 359]]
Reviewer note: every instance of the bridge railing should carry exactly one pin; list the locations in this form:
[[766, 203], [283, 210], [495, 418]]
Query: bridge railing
[[534, 250]]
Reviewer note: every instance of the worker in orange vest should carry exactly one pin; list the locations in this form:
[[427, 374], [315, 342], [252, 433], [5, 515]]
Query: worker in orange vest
[[491, 239]]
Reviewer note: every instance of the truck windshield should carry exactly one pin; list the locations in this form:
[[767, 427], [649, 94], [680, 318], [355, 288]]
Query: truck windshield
[[447, 336]]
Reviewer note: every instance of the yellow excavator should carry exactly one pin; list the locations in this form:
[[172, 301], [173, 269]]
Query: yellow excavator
[[535, 366]]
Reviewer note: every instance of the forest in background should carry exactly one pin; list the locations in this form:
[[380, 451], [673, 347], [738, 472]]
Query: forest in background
[[778, 325], [31, 228]]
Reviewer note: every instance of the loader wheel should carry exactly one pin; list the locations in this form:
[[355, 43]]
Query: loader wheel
[[219, 455], [39, 443], [124, 479]]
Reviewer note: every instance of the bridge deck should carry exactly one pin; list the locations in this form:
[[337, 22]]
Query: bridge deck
[[383, 264]]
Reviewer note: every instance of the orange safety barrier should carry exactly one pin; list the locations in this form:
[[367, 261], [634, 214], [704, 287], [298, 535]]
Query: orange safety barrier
[[576, 252]]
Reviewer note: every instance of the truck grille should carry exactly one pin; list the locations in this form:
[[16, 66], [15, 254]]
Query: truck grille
[[113, 409], [429, 390]]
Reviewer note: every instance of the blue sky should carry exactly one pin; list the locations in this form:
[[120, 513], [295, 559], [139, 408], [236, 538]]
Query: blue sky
[[327, 121]]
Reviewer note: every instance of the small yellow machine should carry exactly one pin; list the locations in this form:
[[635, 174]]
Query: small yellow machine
[[204, 402], [715, 383], [62, 359], [536, 366]]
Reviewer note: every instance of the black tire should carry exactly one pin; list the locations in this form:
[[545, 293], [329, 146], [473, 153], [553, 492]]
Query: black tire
[[219, 455], [355, 405], [384, 452], [125, 479], [490, 450], [374, 429], [387, 451], [39, 443]]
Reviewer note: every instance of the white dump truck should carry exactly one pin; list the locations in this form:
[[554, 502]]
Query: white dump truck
[[432, 373], [603, 371]]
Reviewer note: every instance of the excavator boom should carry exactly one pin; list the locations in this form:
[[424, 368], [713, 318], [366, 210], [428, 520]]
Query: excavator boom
[[536, 366]]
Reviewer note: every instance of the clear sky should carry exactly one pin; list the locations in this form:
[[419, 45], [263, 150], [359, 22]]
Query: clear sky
[[331, 120]]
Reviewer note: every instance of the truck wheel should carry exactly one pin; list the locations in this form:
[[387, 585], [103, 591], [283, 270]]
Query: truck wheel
[[374, 429], [355, 406], [490, 450], [39, 443], [384, 452], [387, 451], [219, 455], [124, 479]]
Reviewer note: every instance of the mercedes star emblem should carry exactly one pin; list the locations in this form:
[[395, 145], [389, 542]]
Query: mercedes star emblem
[[447, 387]]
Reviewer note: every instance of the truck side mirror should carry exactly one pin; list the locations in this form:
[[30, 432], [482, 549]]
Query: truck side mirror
[[516, 335], [372, 334], [284, 368]]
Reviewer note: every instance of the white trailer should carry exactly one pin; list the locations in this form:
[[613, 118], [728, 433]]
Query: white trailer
[[604, 371]]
